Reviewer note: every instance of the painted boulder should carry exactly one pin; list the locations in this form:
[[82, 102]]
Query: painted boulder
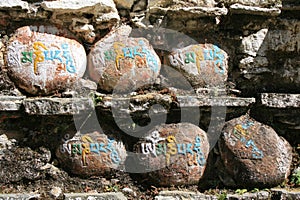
[[122, 63], [253, 154], [173, 154], [41, 62], [91, 154], [203, 65]]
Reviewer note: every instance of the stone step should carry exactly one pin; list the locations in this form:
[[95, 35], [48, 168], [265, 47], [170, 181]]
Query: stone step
[[274, 193], [280, 100], [71, 106]]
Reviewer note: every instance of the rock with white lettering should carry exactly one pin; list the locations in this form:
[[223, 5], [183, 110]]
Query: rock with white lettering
[[91, 154], [173, 154], [122, 63], [253, 154], [41, 61], [204, 65]]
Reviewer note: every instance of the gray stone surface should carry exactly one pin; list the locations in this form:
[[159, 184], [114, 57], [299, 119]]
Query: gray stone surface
[[95, 196], [280, 100], [242, 9], [284, 194], [186, 195], [56, 106], [11, 4], [24, 196], [23, 163], [11, 103]]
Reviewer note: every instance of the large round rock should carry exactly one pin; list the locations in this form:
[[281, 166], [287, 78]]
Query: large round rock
[[40, 61], [122, 63], [173, 154], [203, 65], [253, 154], [91, 154]]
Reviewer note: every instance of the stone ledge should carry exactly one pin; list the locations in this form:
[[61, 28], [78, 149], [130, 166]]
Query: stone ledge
[[72, 106], [279, 193], [253, 10], [174, 195], [56, 106], [280, 100], [95, 196], [19, 196], [197, 11], [11, 103], [8, 4]]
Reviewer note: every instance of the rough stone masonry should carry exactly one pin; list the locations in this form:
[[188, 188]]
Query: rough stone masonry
[[207, 94]]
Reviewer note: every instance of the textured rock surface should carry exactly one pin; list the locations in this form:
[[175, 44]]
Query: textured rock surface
[[91, 154], [42, 63], [177, 151], [121, 63], [23, 163], [103, 12], [204, 65], [82, 196], [253, 154]]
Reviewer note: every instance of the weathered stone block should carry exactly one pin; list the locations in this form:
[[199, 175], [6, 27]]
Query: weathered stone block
[[95, 196], [173, 154], [92, 154], [121, 63], [253, 154], [203, 65], [41, 62], [103, 12]]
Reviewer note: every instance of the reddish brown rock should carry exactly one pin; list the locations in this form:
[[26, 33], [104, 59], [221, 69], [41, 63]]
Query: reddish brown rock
[[178, 153], [204, 65], [40, 61], [124, 61], [253, 154], [91, 154]]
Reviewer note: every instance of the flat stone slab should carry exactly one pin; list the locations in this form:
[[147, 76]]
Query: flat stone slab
[[280, 193], [174, 195], [279, 100], [185, 11], [254, 10], [19, 196], [11, 103], [56, 106], [95, 196], [5, 4]]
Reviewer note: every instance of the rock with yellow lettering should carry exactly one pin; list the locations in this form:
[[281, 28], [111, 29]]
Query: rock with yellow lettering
[[41, 61], [203, 65], [122, 63], [91, 154], [253, 154], [173, 154]]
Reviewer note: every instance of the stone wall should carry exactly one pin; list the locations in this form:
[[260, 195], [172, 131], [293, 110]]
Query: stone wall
[[134, 96]]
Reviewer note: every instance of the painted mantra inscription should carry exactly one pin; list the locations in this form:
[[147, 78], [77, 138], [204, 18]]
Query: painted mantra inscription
[[241, 134], [198, 55], [140, 54], [193, 152], [42, 53], [105, 149]]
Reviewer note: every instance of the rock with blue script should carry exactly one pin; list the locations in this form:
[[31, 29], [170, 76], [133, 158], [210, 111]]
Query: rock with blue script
[[203, 65], [172, 154], [91, 154], [253, 154], [42, 61], [121, 63]]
